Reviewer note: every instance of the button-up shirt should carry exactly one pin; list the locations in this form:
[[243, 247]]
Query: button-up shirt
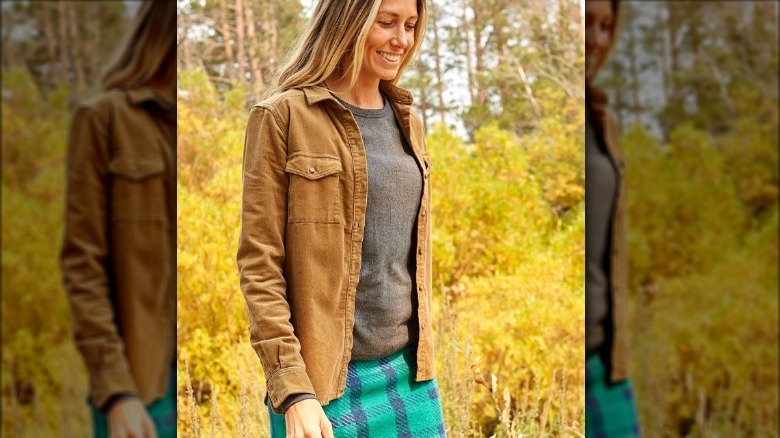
[[119, 250], [299, 254]]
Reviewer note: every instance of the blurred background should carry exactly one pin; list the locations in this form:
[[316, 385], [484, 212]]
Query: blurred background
[[52, 56], [695, 88], [500, 87]]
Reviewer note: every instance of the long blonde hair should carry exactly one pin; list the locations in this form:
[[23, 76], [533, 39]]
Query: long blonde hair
[[147, 47], [335, 39]]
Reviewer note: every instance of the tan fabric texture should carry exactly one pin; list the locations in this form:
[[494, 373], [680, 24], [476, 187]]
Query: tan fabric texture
[[299, 251], [118, 257], [607, 128]]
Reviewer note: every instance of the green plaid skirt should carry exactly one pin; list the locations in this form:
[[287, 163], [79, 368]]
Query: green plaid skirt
[[610, 410], [382, 400], [162, 411]]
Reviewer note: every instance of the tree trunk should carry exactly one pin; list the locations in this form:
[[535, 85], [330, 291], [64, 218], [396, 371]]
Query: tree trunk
[[467, 49], [581, 27], [633, 70], [48, 34], [254, 57], [437, 63], [76, 53], [480, 56], [265, 35], [62, 9], [240, 43], [94, 64], [223, 27], [529, 92], [274, 23]]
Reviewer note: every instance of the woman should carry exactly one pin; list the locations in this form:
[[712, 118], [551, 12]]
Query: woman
[[119, 252], [334, 253], [610, 409]]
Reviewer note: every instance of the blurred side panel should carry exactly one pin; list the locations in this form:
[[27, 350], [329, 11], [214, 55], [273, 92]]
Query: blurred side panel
[[694, 86], [53, 55]]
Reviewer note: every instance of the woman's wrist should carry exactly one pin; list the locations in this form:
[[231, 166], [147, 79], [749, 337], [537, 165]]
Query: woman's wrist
[[295, 398]]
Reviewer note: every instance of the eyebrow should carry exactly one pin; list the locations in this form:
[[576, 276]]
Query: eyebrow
[[394, 14]]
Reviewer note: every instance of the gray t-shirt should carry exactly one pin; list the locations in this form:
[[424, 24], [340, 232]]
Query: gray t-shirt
[[600, 191], [385, 307]]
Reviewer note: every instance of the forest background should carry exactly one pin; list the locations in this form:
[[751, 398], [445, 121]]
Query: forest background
[[506, 80]]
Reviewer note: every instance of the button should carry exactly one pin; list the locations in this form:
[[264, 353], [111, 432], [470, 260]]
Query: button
[[419, 250], [357, 225], [312, 170], [423, 213]]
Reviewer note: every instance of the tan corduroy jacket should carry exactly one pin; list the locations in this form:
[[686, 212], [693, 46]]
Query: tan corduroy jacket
[[607, 129], [303, 208], [118, 256]]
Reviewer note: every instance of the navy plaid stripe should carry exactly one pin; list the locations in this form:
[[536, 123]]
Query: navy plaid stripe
[[357, 413], [401, 422]]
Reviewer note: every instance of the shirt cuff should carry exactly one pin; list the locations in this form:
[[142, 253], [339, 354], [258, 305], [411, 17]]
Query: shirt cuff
[[114, 399], [295, 398]]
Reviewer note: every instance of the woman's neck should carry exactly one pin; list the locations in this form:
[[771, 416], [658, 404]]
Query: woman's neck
[[365, 94]]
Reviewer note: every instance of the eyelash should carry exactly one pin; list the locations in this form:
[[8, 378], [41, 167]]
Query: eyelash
[[408, 27]]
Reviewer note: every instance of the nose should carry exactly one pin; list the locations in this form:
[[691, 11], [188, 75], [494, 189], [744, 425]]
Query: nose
[[602, 37], [400, 39]]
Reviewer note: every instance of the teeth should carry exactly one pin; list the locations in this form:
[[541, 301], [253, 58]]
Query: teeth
[[389, 57]]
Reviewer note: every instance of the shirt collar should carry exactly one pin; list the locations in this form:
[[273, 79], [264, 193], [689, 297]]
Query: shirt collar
[[143, 93]]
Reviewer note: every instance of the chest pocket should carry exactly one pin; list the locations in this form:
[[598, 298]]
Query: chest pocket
[[313, 195], [137, 187]]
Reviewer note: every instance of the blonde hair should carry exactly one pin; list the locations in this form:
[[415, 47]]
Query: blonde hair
[[335, 39], [147, 47]]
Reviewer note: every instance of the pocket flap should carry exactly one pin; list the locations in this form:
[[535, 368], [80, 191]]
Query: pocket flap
[[136, 167], [313, 167]]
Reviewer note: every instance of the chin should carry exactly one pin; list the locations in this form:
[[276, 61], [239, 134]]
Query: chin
[[387, 76]]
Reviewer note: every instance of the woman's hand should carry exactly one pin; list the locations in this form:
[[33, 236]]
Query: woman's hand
[[128, 419], [306, 419]]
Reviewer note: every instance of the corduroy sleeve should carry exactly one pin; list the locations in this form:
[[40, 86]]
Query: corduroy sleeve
[[84, 257], [261, 255]]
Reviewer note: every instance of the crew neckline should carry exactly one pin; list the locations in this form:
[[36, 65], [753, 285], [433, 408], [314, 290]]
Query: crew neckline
[[364, 112]]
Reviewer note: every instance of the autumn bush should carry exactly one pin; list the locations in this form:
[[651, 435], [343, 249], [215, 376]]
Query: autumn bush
[[43, 382]]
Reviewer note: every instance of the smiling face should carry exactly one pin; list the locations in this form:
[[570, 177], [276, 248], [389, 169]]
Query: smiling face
[[599, 25], [390, 40]]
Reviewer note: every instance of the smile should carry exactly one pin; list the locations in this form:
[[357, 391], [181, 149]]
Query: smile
[[390, 57]]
